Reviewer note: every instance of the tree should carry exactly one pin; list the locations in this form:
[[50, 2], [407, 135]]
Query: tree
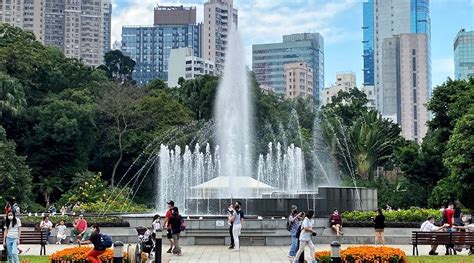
[[199, 95], [118, 66], [156, 84], [12, 97], [348, 105], [15, 177], [118, 106], [460, 156], [62, 137], [47, 185]]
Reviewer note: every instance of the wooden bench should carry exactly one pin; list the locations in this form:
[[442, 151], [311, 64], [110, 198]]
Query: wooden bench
[[31, 237], [450, 239]]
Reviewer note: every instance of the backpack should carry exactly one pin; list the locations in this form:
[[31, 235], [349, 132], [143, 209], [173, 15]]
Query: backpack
[[105, 241]]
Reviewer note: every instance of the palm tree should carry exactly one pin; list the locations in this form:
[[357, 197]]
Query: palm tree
[[48, 185], [12, 97]]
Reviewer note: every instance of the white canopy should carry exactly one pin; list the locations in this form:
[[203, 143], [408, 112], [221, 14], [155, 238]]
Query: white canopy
[[225, 182]]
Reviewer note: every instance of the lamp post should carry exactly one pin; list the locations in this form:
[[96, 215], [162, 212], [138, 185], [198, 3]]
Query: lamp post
[[335, 252], [158, 245], [118, 252]]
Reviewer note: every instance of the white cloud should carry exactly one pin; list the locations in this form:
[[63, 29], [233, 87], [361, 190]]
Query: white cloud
[[260, 21], [441, 68]]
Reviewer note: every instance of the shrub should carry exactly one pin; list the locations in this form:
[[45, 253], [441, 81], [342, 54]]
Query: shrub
[[366, 254], [30, 221], [408, 215], [78, 254]]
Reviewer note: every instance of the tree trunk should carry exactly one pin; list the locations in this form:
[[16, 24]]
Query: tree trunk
[[46, 199], [121, 133]]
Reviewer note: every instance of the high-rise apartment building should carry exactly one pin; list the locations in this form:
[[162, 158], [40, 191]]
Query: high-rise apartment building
[[219, 17], [33, 17], [406, 83], [464, 54], [385, 19], [183, 64], [107, 22], [268, 60], [150, 46], [79, 28], [174, 15], [11, 12], [298, 80], [344, 82], [386, 23]]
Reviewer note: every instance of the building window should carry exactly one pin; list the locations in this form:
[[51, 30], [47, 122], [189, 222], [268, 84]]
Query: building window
[[415, 112], [414, 79], [414, 95], [415, 126], [413, 52]]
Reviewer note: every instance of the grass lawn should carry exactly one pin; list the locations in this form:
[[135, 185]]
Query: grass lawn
[[441, 259], [35, 259]]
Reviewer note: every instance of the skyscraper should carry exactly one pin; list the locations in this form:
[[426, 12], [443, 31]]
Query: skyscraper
[[268, 60], [150, 46], [11, 12], [79, 28], [219, 17], [107, 22], [398, 21], [464, 54], [344, 82], [33, 18]]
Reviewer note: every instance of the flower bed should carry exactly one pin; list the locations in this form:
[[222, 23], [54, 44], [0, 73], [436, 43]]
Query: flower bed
[[366, 254], [78, 255]]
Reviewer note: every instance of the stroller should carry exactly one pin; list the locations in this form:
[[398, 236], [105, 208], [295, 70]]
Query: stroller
[[144, 250]]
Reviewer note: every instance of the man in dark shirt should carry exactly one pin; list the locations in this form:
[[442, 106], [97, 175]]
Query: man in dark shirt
[[95, 239]]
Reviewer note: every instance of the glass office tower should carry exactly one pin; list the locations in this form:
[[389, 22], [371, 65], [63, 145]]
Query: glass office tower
[[464, 54]]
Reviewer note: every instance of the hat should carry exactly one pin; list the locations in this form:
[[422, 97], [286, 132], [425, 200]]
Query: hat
[[81, 215], [171, 202], [293, 207]]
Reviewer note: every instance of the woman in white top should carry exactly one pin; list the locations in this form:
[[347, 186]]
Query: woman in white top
[[46, 225], [11, 236], [305, 236]]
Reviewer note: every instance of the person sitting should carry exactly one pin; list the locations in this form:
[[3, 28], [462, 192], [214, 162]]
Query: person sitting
[[428, 226], [61, 235], [336, 222], [46, 225], [468, 227], [80, 227]]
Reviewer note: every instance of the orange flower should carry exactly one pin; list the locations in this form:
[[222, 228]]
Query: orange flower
[[368, 254], [79, 253]]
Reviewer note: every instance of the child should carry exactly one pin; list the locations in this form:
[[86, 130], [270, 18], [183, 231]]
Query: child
[[156, 224], [61, 232]]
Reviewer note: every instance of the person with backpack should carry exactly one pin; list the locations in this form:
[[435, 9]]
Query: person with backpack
[[176, 224], [100, 241], [292, 225]]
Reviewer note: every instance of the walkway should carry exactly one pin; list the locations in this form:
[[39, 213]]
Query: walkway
[[221, 254]]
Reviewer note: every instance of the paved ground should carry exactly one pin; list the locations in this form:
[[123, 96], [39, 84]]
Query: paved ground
[[221, 254]]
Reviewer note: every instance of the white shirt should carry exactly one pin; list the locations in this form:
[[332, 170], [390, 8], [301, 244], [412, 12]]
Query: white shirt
[[305, 235], [427, 226], [156, 225], [13, 231], [61, 231], [47, 225]]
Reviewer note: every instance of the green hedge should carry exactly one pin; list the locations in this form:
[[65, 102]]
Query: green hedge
[[408, 215], [109, 221]]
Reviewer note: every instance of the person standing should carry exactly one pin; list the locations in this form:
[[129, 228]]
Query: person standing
[[11, 236], [294, 221], [95, 239], [230, 213], [237, 219], [46, 225], [305, 236], [336, 222], [176, 223], [428, 226], [449, 214], [168, 214], [379, 221]]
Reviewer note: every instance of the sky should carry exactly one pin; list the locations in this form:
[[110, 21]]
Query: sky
[[338, 21]]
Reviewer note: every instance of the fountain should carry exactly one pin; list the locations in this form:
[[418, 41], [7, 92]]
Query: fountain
[[203, 179]]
